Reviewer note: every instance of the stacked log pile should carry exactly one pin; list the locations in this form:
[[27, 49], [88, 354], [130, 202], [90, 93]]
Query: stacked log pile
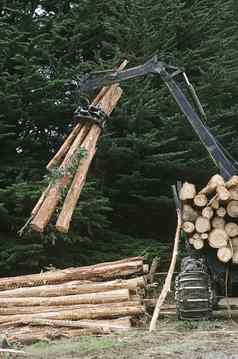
[[210, 216], [97, 299], [69, 166]]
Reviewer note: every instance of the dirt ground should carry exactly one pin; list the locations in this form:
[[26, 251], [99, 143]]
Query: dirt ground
[[173, 340]]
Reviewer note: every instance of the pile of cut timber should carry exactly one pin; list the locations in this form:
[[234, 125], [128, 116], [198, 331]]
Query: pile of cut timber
[[70, 168], [96, 299], [210, 216]]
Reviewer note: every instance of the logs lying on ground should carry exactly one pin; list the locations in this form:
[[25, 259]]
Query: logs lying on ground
[[96, 299], [71, 164], [210, 216]]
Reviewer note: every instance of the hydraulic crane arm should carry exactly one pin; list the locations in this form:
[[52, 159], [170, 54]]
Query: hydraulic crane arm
[[168, 74]]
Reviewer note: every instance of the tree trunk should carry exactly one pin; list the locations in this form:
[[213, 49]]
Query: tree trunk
[[232, 209], [188, 191], [224, 254], [202, 225], [218, 238], [231, 229], [75, 287], [198, 243], [212, 184], [200, 200]]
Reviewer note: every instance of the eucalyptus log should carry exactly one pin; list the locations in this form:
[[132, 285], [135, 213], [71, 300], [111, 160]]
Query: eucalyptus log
[[224, 254], [218, 238], [74, 287], [231, 229], [198, 243], [221, 212], [215, 181], [223, 193], [189, 213], [202, 224], [204, 235], [235, 257], [234, 193], [96, 272], [232, 209], [233, 181], [188, 191], [218, 222], [207, 212], [200, 200], [188, 227], [196, 236]]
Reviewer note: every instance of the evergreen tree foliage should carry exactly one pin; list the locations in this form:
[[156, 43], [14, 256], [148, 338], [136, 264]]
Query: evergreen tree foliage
[[147, 145]]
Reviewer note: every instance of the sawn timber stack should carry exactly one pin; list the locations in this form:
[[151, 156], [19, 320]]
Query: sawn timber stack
[[97, 299], [210, 216]]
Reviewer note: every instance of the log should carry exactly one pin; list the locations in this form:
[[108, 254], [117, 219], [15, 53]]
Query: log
[[153, 268], [74, 287], [189, 214], [188, 191], [218, 222], [224, 254], [167, 284], [55, 161], [91, 312], [223, 193], [235, 257], [191, 239], [234, 243], [196, 236], [212, 184], [233, 181], [231, 229], [117, 295], [234, 193], [214, 203], [204, 236], [200, 200], [97, 272], [202, 224], [198, 243], [218, 238], [221, 212], [207, 212], [232, 209], [73, 194], [188, 227]]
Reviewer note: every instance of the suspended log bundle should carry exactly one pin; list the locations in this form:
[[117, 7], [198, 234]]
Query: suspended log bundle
[[210, 216], [96, 299], [70, 165]]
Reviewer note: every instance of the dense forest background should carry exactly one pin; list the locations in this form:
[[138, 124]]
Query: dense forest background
[[126, 207]]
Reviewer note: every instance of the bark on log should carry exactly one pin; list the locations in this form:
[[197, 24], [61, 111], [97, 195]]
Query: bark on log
[[207, 212], [221, 212], [198, 243], [188, 227], [232, 209], [224, 254], [212, 184], [91, 312], [214, 203], [97, 272], [231, 229], [202, 225], [188, 191], [200, 200], [189, 214], [218, 238], [223, 193], [74, 287], [218, 222]]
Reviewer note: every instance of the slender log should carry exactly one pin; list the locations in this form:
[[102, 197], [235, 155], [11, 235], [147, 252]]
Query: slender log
[[224, 254], [188, 227], [188, 191], [207, 212], [214, 203], [74, 287], [234, 243], [218, 238], [189, 214], [202, 225], [218, 222], [232, 209], [72, 197], [200, 200], [64, 148], [91, 312], [204, 235], [198, 243], [196, 236], [223, 193], [231, 229], [234, 193], [235, 257], [167, 284], [212, 184], [233, 181], [97, 272], [153, 269], [221, 212]]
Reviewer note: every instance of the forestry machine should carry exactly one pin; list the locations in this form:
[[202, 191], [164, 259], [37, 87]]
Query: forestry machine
[[202, 278]]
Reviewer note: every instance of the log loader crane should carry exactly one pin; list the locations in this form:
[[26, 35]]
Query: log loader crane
[[202, 277]]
